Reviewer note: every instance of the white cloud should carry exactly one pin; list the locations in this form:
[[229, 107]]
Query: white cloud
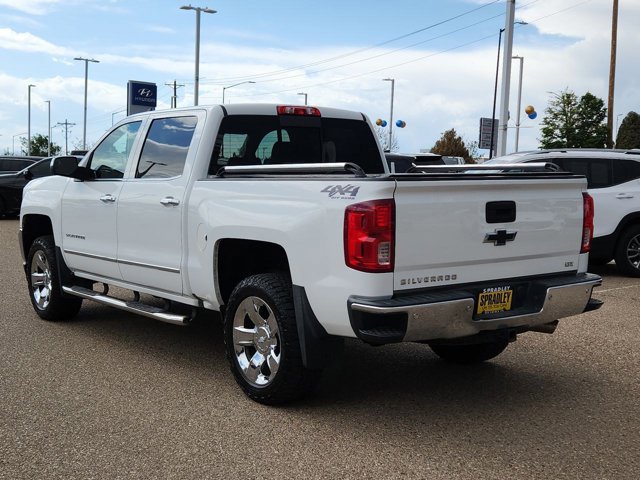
[[32, 7]]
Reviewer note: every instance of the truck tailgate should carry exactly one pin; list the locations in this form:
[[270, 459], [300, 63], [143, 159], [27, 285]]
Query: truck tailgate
[[471, 229]]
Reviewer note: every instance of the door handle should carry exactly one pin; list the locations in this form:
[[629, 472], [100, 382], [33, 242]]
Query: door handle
[[624, 195], [108, 198], [170, 201]]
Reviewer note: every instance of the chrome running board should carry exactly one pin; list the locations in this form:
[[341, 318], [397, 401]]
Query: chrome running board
[[134, 307]]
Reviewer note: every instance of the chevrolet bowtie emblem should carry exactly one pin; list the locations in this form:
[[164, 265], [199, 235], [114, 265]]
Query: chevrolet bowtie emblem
[[500, 237]]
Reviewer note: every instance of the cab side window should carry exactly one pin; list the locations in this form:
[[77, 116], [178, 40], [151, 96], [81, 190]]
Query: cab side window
[[166, 147], [109, 159]]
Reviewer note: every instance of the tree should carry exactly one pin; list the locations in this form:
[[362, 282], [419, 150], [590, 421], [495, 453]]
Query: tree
[[573, 123], [629, 132], [451, 144], [39, 146], [383, 138]]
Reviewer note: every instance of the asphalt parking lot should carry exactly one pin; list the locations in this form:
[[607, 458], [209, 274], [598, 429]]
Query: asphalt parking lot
[[113, 395]]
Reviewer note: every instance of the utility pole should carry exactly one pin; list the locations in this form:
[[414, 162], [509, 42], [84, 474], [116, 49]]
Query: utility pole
[[612, 72], [174, 97], [66, 126], [29, 119]]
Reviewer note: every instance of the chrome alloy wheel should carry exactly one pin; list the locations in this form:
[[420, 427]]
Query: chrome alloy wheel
[[633, 251], [41, 283], [256, 341]]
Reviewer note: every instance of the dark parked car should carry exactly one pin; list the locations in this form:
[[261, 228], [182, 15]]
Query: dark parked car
[[10, 164], [11, 184]]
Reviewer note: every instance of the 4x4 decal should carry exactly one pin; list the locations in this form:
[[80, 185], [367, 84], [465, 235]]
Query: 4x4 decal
[[346, 192]]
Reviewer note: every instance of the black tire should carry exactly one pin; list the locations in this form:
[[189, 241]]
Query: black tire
[[261, 339], [468, 354], [628, 252], [43, 278]]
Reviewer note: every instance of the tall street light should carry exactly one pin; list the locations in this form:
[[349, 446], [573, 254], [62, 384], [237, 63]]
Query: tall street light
[[305, 97], [48, 102], [86, 84], [393, 83], [516, 57], [501, 147], [29, 119], [234, 85], [495, 88], [197, 74]]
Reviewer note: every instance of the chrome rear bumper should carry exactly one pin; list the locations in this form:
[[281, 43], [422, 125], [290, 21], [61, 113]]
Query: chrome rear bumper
[[424, 317]]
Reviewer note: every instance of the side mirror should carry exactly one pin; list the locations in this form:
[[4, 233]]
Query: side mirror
[[64, 166], [68, 167]]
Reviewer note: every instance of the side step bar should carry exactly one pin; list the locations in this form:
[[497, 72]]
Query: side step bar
[[134, 307]]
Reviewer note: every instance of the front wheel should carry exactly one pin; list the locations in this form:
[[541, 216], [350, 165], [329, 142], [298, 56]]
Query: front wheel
[[467, 354], [45, 289], [628, 252], [262, 343]]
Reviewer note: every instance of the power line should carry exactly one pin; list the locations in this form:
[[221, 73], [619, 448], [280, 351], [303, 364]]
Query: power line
[[355, 52], [351, 77]]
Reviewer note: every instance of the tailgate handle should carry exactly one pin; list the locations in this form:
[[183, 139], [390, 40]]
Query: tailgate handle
[[501, 212]]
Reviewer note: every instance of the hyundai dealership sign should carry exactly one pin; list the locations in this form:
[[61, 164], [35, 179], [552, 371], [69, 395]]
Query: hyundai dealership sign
[[141, 96]]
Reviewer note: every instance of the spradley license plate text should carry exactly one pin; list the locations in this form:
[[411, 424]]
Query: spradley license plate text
[[494, 300]]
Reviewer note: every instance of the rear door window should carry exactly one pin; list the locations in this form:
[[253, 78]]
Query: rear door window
[[625, 171], [166, 147]]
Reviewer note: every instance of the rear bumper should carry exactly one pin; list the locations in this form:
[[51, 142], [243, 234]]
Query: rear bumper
[[449, 314]]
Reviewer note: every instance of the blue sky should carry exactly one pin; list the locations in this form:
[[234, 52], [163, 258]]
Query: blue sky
[[336, 52]]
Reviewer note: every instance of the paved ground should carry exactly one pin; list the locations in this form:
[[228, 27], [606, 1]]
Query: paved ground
[[112, 395]]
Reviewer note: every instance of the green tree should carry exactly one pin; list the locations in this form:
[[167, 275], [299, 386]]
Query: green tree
[[592, 127], [629, 132], [39, 146], [570, 122], [451, 144]]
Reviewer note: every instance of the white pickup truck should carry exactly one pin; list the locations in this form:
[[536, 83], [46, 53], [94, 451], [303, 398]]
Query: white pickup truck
[[287, 220]]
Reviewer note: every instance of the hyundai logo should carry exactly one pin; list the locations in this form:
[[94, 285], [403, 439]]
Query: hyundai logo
[[145, 92]]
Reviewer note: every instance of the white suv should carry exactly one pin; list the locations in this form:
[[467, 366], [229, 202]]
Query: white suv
[[613, 178]]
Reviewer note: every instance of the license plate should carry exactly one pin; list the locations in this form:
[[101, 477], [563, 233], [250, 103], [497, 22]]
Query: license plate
[[494, 300]]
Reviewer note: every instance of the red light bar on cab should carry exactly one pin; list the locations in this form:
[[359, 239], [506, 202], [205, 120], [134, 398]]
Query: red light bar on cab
[[298, 110]]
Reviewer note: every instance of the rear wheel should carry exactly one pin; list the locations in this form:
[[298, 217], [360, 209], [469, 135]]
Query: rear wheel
[[467, 354], [262, 343], [628, 252], [45, 289]]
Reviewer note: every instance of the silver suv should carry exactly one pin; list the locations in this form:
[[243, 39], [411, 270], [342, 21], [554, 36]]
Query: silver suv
[[613, 178]]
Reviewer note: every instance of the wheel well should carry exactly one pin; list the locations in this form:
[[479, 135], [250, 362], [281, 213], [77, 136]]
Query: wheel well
[[34, 226], [631, 220], [238, 259]]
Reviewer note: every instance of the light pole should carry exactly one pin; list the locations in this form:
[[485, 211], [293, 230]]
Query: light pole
[[29, 119], [234, 85], [393, 83], [86, 79], [495, 88], [519, 100], [495, 94], [305, 97], [501, 148], [48, 102], [197, 74]]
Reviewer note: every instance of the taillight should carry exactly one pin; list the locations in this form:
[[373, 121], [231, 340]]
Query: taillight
[[303, 111], [369, 231], [587, 223]]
